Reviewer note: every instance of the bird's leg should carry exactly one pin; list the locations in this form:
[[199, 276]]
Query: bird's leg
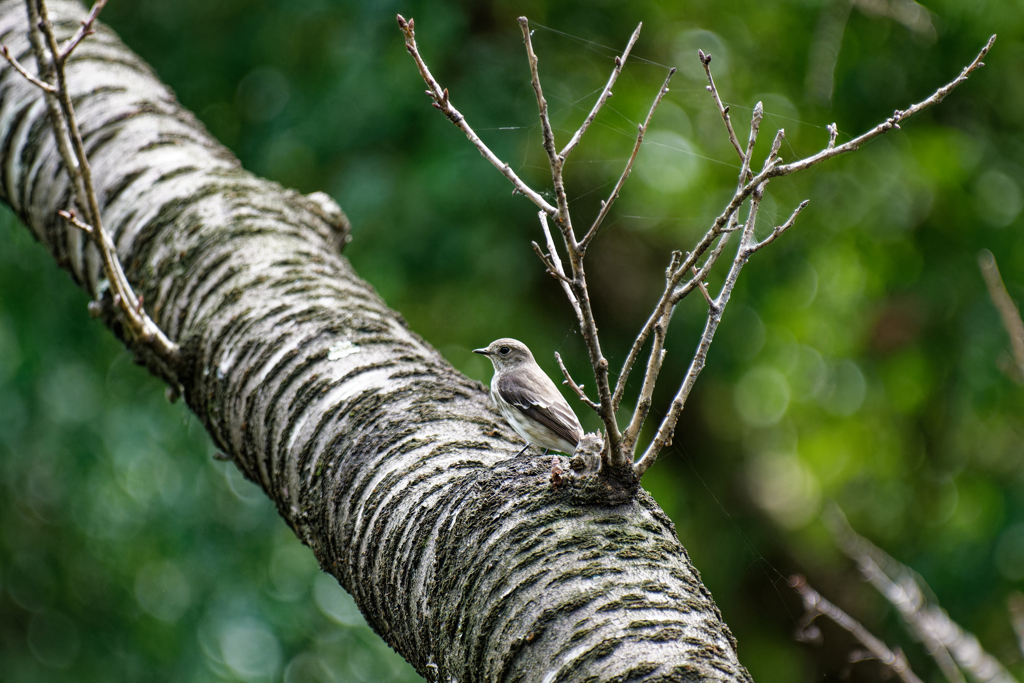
[[522, 451]]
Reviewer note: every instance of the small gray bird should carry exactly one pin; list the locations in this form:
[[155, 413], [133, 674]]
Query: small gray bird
[[529, 400]]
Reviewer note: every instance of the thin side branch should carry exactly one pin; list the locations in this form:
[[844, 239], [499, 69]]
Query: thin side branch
[[1007, 309], [755, 128], [620, 61], [440, 97], [705, 59], [703, 287], [577, 388], [816, 606], [606, 205], [74, 220]]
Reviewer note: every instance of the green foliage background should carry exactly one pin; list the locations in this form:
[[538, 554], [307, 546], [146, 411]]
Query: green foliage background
[[858, 361]]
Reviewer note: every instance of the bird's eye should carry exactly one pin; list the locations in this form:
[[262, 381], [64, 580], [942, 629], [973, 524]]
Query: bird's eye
[[504, 350]]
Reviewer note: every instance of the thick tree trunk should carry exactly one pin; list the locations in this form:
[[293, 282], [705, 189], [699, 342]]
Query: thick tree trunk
[[389, 464]]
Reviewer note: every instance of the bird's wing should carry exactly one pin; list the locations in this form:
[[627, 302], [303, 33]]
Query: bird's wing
[[544, 403]]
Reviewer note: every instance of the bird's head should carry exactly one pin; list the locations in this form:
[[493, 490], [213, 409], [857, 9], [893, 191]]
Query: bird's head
[[506, 353]]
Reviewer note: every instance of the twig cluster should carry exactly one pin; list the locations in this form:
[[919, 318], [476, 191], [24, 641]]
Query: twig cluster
[[955, 650], [816, 606], [686, 271], [51, 58]]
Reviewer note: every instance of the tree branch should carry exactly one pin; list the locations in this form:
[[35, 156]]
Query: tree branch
[[556, 261], [892, 122], [948, 644], [82, 33], [383, 459], [816, 606], [45, 87]]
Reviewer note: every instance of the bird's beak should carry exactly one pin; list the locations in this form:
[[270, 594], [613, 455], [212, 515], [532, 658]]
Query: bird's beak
[[482, 352]]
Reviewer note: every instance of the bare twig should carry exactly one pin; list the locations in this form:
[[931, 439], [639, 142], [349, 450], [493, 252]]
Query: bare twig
[[74, 220], [549, 265], [755, 128], [949, 645], [620, 61], [816, 606], [440, 97], [833, 133], [577, 388], [53, 106], [53, 83], [606, 205], [705, 60], [654, 362], [1007, 309]]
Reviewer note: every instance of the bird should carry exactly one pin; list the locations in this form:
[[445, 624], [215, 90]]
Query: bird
[[529, 400]]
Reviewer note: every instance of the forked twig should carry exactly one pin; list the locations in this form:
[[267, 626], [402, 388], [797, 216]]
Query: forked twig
[[84, 31]]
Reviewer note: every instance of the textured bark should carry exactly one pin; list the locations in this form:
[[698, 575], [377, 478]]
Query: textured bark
[[388, 463]]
